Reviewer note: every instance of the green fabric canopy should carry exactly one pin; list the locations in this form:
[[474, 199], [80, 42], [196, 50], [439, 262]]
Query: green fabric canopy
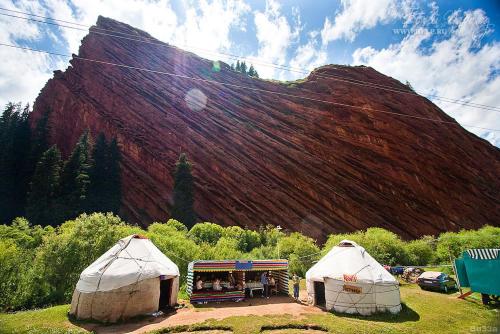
[[481, 275]]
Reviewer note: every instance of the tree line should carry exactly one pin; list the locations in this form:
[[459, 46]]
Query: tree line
[[36, 183], [241, 67]]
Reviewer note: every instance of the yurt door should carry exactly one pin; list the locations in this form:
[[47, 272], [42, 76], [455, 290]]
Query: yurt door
[[319, 294], [165, 291]]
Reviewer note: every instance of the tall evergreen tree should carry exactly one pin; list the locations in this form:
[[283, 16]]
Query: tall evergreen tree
[[74, 181], [39, 141], [98, 177], [252, 72], [238, 66], [243, 67], [41, 204], [182, 209], [14, 151], [104, 193]]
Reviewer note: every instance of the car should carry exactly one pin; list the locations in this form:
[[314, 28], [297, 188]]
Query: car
[[436, 280]]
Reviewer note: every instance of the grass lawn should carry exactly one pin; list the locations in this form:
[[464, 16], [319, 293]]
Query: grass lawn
[[52, 320], [423, 312]]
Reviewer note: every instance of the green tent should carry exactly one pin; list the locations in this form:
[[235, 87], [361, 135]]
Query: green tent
[[479, 269]]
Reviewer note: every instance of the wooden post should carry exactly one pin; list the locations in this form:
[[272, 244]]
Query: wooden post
[[455, 272]]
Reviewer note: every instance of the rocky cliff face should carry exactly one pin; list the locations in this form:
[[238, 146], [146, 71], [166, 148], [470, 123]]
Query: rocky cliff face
[[262, 158]]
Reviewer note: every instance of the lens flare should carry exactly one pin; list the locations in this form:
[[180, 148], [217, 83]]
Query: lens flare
[[196, 100]]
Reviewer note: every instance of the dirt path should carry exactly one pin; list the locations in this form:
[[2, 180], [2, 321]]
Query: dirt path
[[188, 316]]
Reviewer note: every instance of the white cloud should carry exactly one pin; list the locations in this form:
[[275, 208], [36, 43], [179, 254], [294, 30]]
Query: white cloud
[[308, 56], [458, 67], [23, 74], [207, 26], [358, 15], [275, 35]]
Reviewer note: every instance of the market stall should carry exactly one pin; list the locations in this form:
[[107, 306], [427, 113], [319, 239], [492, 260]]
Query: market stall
[[234, 280]]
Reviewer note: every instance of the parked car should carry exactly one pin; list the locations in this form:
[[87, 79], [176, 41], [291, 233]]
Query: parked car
[[436, 280], [397, 270]]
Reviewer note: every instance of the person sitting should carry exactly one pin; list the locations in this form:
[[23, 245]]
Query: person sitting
[[232, 281], [272, 285], [199, 283], [216, 285]]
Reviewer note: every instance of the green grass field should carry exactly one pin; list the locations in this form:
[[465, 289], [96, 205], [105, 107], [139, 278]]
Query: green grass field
[[423, 312]]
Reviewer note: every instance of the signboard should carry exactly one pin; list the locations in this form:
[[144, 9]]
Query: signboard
[[243, 265], [351, 288], [350, 278]]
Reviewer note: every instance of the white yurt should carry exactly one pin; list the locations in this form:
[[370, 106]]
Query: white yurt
[[132, 278], [349, 280]]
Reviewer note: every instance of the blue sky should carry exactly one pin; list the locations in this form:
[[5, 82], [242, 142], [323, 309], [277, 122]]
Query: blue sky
[[446, 48]]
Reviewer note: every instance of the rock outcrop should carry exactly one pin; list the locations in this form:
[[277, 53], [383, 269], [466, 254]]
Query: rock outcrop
[[269, 158]]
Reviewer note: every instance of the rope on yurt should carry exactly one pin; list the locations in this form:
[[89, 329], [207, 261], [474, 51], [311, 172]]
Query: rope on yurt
[[115, 256], [137, 281]]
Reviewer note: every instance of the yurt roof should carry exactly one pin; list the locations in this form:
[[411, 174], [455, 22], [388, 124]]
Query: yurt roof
[[348, 259], [130, 260]]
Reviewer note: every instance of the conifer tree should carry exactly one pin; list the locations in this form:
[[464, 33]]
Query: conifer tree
[[243, 67], [183, 209], [238, 66], [98, 176], [41, 204], [104, 193], [14, 151], [74, 181]]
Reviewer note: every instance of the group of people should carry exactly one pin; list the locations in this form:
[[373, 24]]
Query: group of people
[[217, 284], [266, 279], [268, 282]]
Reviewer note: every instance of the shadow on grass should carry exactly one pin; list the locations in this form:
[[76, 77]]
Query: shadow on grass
[[293, 326], [406, 314], [193, 329], [121, 326], [255, 301]]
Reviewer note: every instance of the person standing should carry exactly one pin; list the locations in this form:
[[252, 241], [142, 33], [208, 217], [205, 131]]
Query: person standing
[[296, 286], [265, 283]]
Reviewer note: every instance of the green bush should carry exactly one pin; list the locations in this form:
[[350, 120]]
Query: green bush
[[206, 232], [385, 246]]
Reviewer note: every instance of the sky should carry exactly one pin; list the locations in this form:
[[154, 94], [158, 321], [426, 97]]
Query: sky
[[448, 48]]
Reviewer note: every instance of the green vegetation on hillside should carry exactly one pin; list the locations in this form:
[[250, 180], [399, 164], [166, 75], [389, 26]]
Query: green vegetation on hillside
[[41, 265], [182, 209]]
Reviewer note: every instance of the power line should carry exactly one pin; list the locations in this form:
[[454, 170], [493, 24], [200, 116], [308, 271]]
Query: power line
[[142, 39], [241, 86]]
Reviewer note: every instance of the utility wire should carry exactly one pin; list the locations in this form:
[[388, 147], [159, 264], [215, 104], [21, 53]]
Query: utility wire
[[241, 86], [142, 39]]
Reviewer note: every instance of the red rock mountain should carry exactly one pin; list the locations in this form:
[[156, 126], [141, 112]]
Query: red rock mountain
[[264, 158]]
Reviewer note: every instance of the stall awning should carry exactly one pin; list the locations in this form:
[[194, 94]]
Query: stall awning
[[238, 265]]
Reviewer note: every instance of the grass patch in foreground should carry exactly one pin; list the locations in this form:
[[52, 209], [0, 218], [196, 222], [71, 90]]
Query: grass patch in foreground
[[52, 320], [423, 312]]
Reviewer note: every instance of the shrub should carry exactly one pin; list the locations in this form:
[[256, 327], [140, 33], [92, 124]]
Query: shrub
[[206, 232]]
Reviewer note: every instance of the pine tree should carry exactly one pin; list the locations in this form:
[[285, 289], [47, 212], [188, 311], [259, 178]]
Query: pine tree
[[104, 194], [238, 66], [182, 209], [252, 72], [41, 204], [243, 67], [74, 181], [98, 176], [14, 152]]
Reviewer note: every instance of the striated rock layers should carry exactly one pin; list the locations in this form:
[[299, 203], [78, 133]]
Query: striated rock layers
[[263, 158]]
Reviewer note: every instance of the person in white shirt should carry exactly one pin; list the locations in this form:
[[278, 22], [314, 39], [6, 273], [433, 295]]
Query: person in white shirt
[[199, 283]]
